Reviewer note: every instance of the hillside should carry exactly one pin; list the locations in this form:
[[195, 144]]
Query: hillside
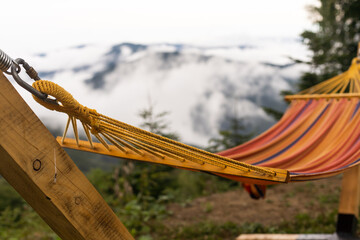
[[307, 207]]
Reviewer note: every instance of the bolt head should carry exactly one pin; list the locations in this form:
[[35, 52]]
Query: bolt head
[[36, 164]]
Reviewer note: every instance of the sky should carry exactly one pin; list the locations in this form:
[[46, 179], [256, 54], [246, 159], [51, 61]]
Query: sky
[[53, 26], [41, 25]]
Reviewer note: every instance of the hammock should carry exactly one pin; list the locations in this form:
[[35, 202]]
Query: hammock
[[317, 137]]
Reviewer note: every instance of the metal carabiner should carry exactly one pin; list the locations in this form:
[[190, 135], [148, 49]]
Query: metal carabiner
[[24, 84], [32, 74], [7, 62]]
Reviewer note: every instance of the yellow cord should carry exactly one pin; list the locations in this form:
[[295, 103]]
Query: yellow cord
[[347, 84], [122, 133]]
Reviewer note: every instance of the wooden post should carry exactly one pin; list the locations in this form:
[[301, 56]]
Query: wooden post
[[348, 213], [71, 206], [349, 202]]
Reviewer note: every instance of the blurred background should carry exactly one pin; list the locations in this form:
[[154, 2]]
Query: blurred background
[[208, 73], [202, 61]]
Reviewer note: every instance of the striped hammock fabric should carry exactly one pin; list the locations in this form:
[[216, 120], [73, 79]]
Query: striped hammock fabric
[[315, 138]]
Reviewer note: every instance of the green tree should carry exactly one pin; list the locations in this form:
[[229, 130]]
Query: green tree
[[156, 122], [143, 180], [230, 137], [334, 42], [152, 178], [277, 115]]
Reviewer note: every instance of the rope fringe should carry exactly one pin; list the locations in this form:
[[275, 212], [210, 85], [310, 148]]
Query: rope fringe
[[127, 135]]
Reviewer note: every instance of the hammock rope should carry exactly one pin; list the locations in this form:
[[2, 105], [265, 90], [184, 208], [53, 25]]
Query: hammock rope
[[121, 134], [345, 85]]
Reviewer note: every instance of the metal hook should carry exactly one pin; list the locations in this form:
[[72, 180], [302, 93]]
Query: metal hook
[[32, 74], [24, 84], [7, 62]]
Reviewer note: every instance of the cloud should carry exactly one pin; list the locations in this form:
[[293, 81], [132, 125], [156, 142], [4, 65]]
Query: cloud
[[199, 86]]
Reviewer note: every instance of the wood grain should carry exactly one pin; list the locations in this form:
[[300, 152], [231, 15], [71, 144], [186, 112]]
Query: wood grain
[[350, 190], [71, 207]]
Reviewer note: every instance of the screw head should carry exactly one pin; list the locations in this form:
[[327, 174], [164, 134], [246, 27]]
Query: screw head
[[77, 200], [36, 164]]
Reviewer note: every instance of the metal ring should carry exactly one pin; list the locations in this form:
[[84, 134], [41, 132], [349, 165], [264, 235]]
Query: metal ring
[[15, 69], [24, 84]]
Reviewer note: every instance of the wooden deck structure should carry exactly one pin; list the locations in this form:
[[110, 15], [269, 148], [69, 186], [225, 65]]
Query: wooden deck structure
[[29, 155]]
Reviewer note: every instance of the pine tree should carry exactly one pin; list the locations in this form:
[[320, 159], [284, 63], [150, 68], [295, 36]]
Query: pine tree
[[231, 137], [144, 181], [156, 122], [334, 42]]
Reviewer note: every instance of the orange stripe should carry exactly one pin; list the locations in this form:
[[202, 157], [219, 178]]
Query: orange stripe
[[331, 143]]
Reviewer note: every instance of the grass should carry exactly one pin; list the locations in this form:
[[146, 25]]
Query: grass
[[34, 228], [146, 221], [303, 223]]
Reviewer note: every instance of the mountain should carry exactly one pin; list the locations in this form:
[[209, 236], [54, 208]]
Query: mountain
[[200, 86]]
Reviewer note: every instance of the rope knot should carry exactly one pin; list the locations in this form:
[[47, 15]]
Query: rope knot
[[94, 121], [95, 125], [84, 111], [68, 104]]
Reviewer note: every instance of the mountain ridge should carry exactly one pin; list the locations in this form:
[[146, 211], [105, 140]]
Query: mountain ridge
[[201, 86]]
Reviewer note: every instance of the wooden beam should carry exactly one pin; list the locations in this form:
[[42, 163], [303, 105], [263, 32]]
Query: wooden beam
[[350, 190], [29, 155], [348, 213], [268, 237], [285, 236]]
